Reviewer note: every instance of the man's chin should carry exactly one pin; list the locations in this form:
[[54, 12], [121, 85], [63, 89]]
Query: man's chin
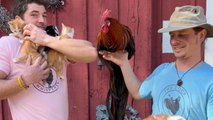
[[178, 55], [43, 28]]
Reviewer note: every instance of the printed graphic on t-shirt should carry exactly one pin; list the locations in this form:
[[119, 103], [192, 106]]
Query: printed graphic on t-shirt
[[174, 100], [49, 85]]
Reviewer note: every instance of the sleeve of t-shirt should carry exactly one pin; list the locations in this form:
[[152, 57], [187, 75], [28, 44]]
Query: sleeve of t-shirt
[[210, 104], [4, 55], [147, 85]]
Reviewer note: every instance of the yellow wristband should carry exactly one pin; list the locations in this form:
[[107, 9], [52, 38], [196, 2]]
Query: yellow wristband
[[23, 82], [20, 82]]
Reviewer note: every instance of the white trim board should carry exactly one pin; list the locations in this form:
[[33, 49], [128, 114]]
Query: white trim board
[[209, 42]]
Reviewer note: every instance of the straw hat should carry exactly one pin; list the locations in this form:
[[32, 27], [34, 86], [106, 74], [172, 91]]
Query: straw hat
[[188, 17]]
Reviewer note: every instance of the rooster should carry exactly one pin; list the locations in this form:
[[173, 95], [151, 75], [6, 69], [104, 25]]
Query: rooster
[[172, 104], [112, 37]]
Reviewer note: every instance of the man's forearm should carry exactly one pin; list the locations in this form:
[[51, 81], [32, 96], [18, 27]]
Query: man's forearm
[[132, 82], [8, 88], [75, 50]]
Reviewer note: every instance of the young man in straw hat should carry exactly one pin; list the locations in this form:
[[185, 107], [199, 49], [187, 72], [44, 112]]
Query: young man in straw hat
[[183, 87]]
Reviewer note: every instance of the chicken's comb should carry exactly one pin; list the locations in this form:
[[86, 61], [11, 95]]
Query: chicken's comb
[[107, 13]]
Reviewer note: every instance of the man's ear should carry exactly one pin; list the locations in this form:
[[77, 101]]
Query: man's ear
[[203, 34]]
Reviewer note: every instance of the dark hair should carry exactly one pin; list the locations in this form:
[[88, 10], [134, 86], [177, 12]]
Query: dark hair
[[198, 29], [20, 6]]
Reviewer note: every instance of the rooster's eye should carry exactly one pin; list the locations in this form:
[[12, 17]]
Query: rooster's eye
[[108, 23]]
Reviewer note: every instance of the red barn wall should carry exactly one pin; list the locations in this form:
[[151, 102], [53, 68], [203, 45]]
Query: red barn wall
[[88, 84]]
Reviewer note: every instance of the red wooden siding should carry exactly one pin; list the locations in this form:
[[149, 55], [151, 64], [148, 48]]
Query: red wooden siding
[[88, 84]]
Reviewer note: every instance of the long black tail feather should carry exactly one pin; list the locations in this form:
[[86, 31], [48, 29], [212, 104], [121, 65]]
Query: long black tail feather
[[117, 95]]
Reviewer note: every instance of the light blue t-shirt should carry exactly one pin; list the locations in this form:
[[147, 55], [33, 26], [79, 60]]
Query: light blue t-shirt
[[193, 100]]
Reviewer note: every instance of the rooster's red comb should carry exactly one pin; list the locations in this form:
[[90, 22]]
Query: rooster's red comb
[[107, 13]]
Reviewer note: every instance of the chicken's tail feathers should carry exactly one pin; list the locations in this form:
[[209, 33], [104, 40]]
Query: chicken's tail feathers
[[130, 46], [117, 94]]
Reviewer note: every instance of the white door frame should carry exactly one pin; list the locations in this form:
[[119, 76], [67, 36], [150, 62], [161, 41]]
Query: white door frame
[[209, 42]]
